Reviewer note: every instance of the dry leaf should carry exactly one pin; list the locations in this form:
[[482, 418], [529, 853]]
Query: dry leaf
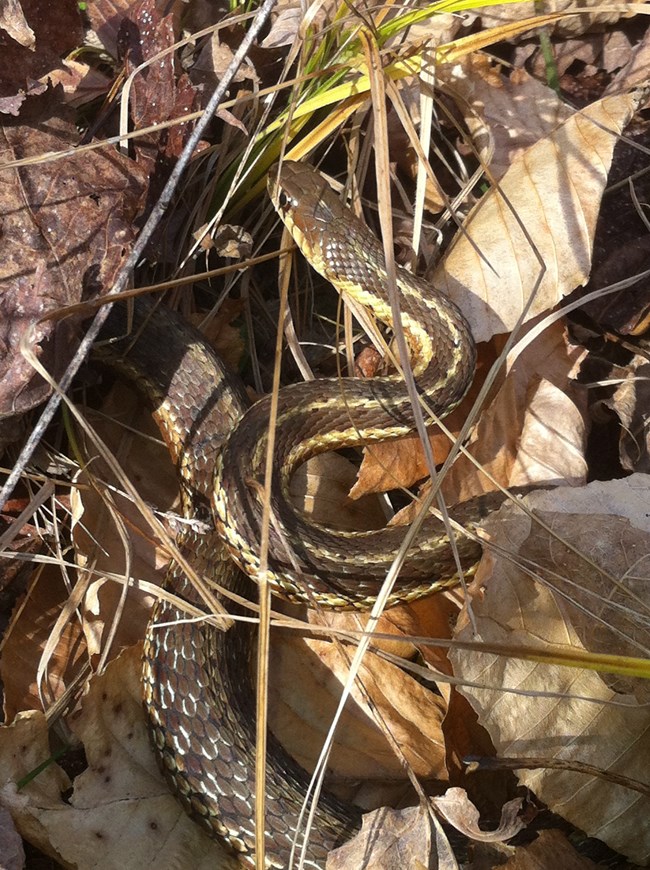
[[13, 22], [43, 34], [459, 811], [81, 83], [499, 14], [566, 713], [518, 110], [320, 488], [636, 71], [532, 431], [213, 61], [308, 677], [393, 840], [24, 746], [28, 634], [157, 93], [549, 849], [12, 853], [121, 811], [631, 402], [553, 189], [66, 227]]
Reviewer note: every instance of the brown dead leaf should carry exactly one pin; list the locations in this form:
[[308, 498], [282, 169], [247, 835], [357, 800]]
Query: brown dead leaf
[[393, 840], [24, 746], [121, 811], [321, 487], [66, 228], [14, 23], [550, 849], [568, 713], [590, 16], [311, 674], [636, 70], [29, 631], [554, 190], [156, 95], [126, 427], [532, 431], [56, 29], [105, 18], [213, 60], [285, 28], [518, 109], [81, 83], [630, 403]]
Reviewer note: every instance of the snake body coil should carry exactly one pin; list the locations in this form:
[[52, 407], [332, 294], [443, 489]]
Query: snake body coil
[[197, 686], [339, 569]]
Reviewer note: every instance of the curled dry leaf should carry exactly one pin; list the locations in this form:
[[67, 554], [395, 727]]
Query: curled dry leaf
[[81, 83], [597, 603], [630, 403], [553, 190], [38, 636], [459, 811]]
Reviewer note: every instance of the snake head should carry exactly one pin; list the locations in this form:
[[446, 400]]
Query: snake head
[[326, 231]]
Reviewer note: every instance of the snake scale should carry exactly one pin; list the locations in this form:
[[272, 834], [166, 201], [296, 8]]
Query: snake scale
[[198, 691]]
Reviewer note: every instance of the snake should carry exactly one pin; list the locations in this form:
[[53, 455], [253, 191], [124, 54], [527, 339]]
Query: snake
[[198, 688]]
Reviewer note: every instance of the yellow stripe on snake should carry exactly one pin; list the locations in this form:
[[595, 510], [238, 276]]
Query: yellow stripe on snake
[[197, 684]]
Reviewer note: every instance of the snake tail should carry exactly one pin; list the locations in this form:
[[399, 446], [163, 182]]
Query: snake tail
[[198, 691]]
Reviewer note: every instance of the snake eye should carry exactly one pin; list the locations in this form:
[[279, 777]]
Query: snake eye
[[284, 200]]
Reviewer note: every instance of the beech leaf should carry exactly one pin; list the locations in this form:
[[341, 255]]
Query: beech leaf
[[594, 602], [553, 190]]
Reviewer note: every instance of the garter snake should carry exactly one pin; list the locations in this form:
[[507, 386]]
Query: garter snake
[[197, 687]]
